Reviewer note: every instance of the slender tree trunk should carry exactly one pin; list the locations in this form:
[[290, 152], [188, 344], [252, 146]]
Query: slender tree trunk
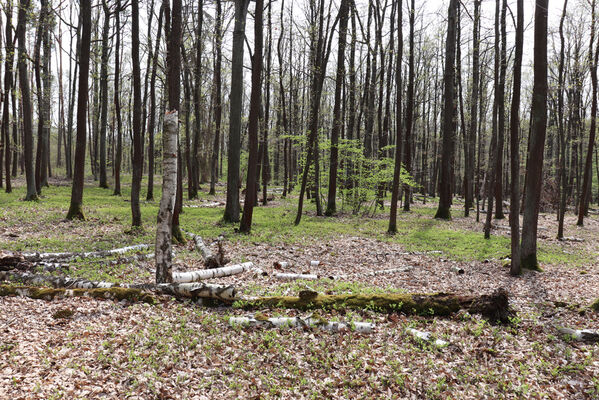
[[501, 120], [443, 211], [534, 168], [217, 97], [515, 145], [588, 165], [398, 95], [337, 120], [26, 100], [234, 150], [117, 102], [75, 210], [253, 122], [409, 113], [152, 114], [104, 94], [8, 83], [562, 133], [137, 162], [472, 134], [197, 96]]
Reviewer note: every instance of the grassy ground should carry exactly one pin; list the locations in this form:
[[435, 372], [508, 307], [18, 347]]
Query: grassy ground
[[179, 350]]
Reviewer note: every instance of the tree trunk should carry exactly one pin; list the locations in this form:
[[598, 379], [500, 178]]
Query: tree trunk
[[117, 105], [588, 165], [398, 137], [253, 122], [409, 113], [337, 120], [217, 97], [104, 94], [8, 83], [515, 145], [443, 211], [137, 158], [501, 119], [167, 202], [234, 150], [534, 168], [472, 134]]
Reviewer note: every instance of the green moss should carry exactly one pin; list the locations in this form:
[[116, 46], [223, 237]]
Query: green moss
[[530, 262], [595, 305], [64, 313], [407, 303]]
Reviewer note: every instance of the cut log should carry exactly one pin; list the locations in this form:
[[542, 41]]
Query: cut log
[[186, 290], [296, 322], [427, 337], [210, 259], [292, 276], [385, 271], [10, 261], [580, 335], [494, 307], [114, 293], [194, 276]]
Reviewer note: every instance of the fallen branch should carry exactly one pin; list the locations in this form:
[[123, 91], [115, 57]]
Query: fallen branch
[[186, 290], [311, 277], [494, 306], [57, 257], [194, 276], [210, 260], [296, 322], [580, 335], [292, 277]]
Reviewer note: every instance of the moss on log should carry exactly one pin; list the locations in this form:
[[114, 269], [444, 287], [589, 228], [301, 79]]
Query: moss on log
[[595, 305], [113, 293], [494, 307]]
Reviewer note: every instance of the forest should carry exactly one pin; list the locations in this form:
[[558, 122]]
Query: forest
[[319, 199]]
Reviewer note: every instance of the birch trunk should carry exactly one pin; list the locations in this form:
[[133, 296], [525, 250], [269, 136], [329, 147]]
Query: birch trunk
[[167, 202], [297, 322], [194, 276]]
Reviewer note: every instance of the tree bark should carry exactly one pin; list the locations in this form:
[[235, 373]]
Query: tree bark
[[534, 168], [253, 123], [163, 249], [234, 150], [8, 83], [443, 211], [117, 102], [104, 94]]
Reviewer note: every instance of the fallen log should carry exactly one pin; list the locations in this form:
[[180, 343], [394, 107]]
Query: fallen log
[[297, 322], [494, 307], [580, 335], [291, 276], [311, 277], [210, 259], [9, 260], [185, 290], [194, 276], [114, 293], [58, 257]]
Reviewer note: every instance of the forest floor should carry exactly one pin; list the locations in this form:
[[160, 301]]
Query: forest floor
[[180, 350]]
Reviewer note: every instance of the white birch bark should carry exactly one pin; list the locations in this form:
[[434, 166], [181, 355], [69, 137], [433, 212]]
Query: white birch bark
[[296, 322], [427, 337], [67, 256], [292, 277], [580, 335], [163, 251], [194, 276], [210, 260]]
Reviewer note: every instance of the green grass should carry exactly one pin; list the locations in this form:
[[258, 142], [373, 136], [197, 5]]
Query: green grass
[[109, 217]]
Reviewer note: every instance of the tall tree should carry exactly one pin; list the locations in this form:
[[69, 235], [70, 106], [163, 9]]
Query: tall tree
[[588, 170], [137, 162], [218, 106], [118, 158], [152, 114], [534, 167], [253, 122], [562, 134], [22, 19], [104, 93], [443, 211], [472, 133], [234, 149], [398, 95], [515, 145], [501, 118], [320, 49], [8, 83], [337, 118], [409, 113], [75, 210]]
